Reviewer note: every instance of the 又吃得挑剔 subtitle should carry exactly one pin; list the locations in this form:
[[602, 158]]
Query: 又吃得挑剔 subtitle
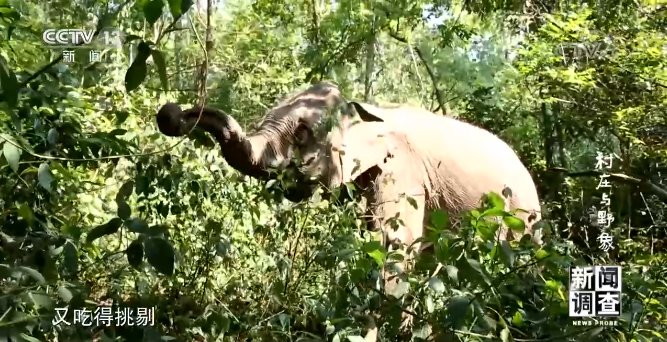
[[105, 316]]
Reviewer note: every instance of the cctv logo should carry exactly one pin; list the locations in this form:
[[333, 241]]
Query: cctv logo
[[67, 37]]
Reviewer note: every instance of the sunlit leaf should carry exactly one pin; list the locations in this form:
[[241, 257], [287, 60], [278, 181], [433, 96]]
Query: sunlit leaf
[[436, 284], [514, 223], [494, 200], [400, 289], [44, 176], [32, 273], [452, 272], [12, 155], [65, 294]]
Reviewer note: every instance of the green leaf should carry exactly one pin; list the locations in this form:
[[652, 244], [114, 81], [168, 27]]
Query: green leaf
[[12, 155], [436, 284], [421, 331], [160, 254], [517, 319], [505, 335], [541, 254], [400, 290], [137, 225], [52, 136], [439, 219], [153, 10], [25, 212], [508, 253], [70, 257], [141, 185], [412, 202], [136, 73], [108, 228], [457, 308], [28, 338], [430, 305], [175, 8], [474, 271], [151, 334], [490, 322], [10, 85], [494, 200], [375, 250], [494, 212], [507, 192], [158, 230], [65, 294], [161, 66], [124, 211], [44, 176], [125, 191], [32, 273], [185, 5], [135, 253], [41, 300], [553, 285], [514, 223]]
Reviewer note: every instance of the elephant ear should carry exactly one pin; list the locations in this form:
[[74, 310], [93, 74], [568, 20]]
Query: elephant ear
[[368, 112], [362, 146]]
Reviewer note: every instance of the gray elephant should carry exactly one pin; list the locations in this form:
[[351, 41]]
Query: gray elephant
[[408, 161]]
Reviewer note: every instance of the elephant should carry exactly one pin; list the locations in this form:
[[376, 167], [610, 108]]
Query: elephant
[[407, 160]]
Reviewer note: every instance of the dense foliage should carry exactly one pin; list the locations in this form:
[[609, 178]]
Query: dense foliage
[[97, 206]]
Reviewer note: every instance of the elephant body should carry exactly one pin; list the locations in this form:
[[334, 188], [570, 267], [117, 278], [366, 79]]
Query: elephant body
[[408, 161]]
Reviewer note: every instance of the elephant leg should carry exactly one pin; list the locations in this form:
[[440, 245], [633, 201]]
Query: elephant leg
[[399, 209]]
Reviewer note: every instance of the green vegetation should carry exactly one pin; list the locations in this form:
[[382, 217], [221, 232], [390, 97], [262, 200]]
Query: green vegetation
[[97, 205]]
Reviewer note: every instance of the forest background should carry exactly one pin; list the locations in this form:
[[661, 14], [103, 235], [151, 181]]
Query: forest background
[[97, 205]]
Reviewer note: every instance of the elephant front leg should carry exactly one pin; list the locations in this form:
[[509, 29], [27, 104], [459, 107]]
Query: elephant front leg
[[400, 216]]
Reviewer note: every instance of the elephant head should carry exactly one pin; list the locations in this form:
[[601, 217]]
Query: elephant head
[[295, 132]]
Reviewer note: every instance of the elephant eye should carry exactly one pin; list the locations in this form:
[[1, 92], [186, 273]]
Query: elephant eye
[[302, 134]]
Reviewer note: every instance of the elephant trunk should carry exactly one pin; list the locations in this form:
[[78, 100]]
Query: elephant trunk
[[248, 155]]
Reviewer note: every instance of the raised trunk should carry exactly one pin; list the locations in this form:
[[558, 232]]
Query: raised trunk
[[249, 155]]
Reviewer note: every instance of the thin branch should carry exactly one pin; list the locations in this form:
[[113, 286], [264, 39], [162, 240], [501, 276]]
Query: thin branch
[[429, 70], [643, 184]]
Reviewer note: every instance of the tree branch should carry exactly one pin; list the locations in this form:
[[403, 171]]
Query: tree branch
[[429, 70], [643, 184]]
